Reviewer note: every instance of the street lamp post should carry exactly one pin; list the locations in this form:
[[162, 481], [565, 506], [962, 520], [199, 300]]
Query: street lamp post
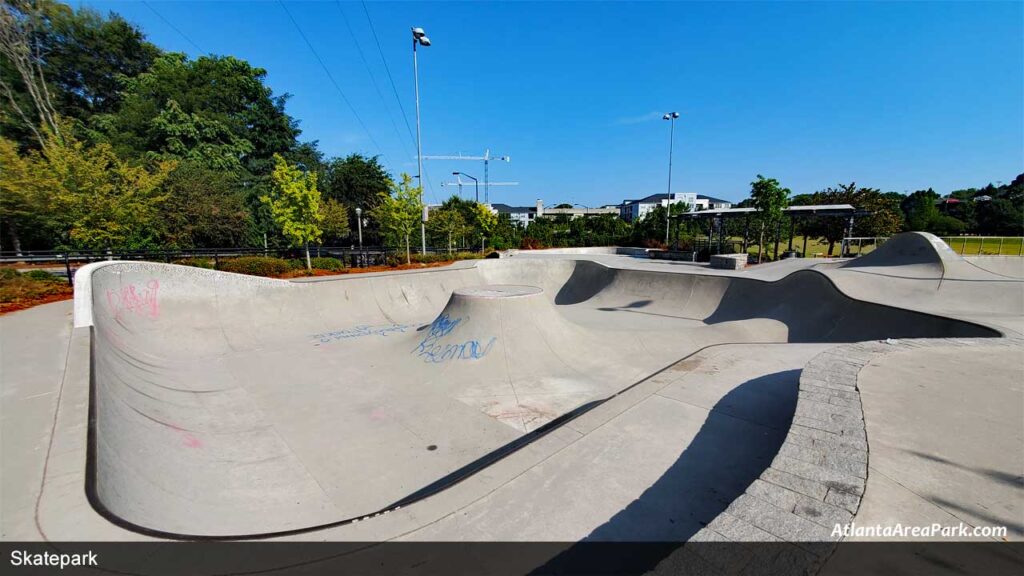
[[476, 183], [359, 223], [671, 117], [419, 37]]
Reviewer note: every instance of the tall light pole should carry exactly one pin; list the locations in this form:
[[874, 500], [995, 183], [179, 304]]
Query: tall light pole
[[419, 37], [476, 183], [671, 117]]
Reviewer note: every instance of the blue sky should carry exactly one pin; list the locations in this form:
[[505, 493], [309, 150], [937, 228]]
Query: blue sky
[[898, 96]]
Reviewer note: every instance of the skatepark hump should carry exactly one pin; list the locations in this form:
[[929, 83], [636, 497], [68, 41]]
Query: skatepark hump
[[233, 406]]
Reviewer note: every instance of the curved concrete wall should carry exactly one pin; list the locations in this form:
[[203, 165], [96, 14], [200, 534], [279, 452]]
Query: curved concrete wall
[[181, 446]]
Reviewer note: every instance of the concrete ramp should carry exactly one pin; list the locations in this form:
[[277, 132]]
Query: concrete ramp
[[232, 406], [914, 253]]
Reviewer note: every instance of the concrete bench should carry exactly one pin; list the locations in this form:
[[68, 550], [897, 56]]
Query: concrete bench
[[729, 261]]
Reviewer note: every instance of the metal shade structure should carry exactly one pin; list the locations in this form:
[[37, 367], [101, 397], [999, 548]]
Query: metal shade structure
[[846, 211]]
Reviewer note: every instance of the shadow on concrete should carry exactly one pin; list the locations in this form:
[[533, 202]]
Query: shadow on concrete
[[737, 442], [1015, 529], [586, 280], [814, 310], [1007, 478]]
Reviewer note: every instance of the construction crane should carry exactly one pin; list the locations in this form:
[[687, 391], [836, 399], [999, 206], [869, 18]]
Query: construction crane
[[458, 182], [486, 159]]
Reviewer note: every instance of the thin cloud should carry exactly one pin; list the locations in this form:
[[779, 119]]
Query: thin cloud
[[639, 119]]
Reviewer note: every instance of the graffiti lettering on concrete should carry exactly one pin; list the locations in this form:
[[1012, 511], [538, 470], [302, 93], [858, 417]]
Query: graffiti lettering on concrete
[[138, 300], [186, 438], [432, 350], [360, 332]]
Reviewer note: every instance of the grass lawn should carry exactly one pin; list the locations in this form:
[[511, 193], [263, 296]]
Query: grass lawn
[[965, 245], [985, 246]]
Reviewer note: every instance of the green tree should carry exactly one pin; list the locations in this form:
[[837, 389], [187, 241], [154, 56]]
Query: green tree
[[607, 230], [102, 201], [884, 217], [446, 223], [919, 209], [295, 205], [540, 233], [506, 234], [26, 185], [399, 212], [85, 54], [190, 136], [357, 182], [206, 208], [220, 89], [769, 199], [484, 219], [1004, 213], [923, 215], [335, 220], [74, 60]]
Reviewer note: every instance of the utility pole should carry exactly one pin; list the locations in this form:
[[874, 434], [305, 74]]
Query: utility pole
[[671, 117], [419, 37]]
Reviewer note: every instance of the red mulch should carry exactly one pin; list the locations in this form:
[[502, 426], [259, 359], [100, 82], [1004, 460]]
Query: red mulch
[[8, 307], [67, 292], [415, 266]]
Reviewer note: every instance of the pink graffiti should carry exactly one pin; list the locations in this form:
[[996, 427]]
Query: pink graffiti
[[187, 438], [138, 300], [191, 441]]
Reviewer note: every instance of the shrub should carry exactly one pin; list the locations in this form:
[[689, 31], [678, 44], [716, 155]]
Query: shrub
[[40, 276], [296, 264], [8, 273], [332, 264], [197, 263], [530, 244], [256, 266], [429, 258]]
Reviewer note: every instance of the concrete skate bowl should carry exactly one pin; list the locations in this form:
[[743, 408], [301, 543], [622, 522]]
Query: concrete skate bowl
[[227, 406]]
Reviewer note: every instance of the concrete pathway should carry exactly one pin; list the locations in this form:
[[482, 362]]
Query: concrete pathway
[[33, 350]]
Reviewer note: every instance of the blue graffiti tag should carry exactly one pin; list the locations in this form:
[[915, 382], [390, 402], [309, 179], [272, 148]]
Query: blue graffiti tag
[[360, 332], [433, 351]]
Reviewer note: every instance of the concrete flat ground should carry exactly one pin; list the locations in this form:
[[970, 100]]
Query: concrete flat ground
[[33, 354], [682, 449], [942, 429], [556, 397]]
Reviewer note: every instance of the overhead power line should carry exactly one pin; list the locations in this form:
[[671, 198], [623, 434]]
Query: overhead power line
[[173, 27], [394, 90], [388, 70], [331, 78], [373, 80]]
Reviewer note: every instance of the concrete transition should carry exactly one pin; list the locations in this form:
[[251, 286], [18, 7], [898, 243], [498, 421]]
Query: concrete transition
[[227, 405], [652, 400]]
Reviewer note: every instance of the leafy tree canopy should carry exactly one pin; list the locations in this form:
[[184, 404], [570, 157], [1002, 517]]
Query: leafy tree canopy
[[295, 204]]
